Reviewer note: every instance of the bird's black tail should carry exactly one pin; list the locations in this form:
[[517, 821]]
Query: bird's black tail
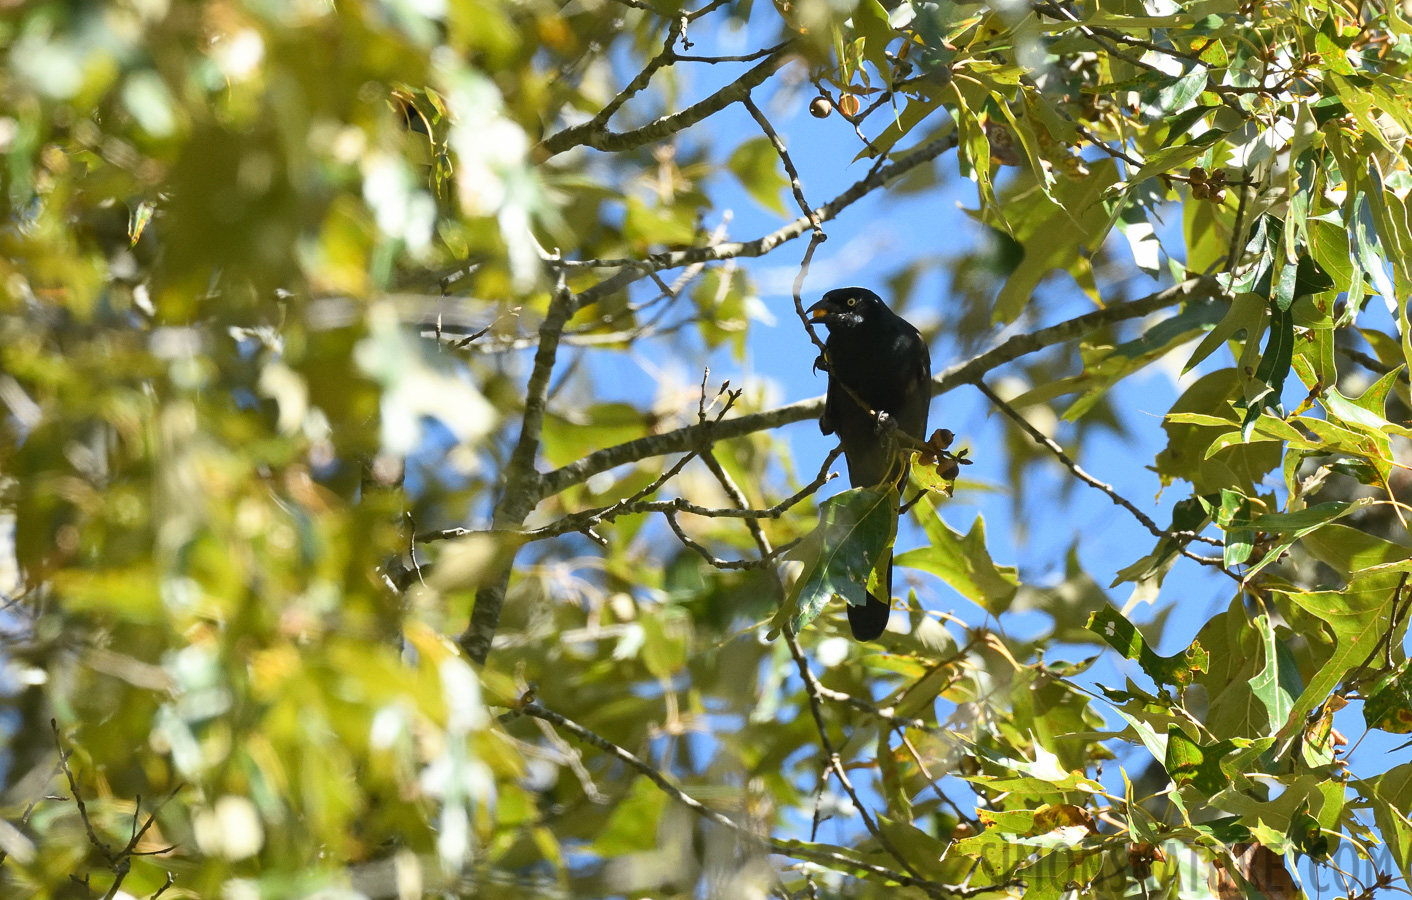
[[869, 621]]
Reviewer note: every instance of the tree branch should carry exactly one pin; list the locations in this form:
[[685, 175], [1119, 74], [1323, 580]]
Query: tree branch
[[795, 849], [635, 269], [1118, 499], [680, 440], [591, 518], [783, 154], [521, 479], [814, 691], [593, 133]]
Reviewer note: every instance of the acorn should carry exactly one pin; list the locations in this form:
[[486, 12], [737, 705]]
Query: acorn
[[820, 108], [848, 105]]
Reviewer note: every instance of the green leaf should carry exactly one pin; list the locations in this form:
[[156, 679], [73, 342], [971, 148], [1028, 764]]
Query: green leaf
[[666, 638], [1123, 636], [1295, 525], [672, 225], [1234, 519], [1330, 47], [719, 297], [1310, 277], [856, 528], [1347, 550], [870, 22], [1368, 249], [1101, 373], [1389, 703], [1056, 235], [928, 852], [1239, 659], [1358, 616], [902, 124], [963, 562], [1247, 313], [1188, 455], [757, 165], [632, 828], [1274, 367], [1180, 94], [1390, 796], [1278, 680], [1285, 287], [1366, 413], [1133, 224], [573, 435], [1190, 763], [890, 773], [1277, 817]]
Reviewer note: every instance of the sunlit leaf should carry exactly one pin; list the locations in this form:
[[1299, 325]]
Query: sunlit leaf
[[1124, 637]]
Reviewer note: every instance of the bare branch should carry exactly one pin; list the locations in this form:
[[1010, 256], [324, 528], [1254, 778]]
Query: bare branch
[[93, 839], [665, 58], [1044, 441], [520, 493], [119, 862], [783, 153], [814, 241], [635, 269], [591, 518], [748, 57], [716, 561], [795, 849], [835, 762], [706, 10], [594, 133]]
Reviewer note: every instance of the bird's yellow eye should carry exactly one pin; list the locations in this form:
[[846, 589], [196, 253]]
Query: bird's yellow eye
[[852, 301]]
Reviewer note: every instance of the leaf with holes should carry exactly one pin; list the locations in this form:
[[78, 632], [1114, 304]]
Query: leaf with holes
[[1124, 637], [856, 528]]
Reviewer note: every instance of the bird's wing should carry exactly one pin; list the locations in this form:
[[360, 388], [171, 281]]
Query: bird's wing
[[830, 405]]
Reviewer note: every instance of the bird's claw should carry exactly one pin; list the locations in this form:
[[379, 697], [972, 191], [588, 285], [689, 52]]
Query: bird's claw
[[885, 424], [821, 363]]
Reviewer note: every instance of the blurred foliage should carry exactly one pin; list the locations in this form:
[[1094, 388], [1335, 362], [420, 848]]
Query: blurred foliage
[[273, 279]]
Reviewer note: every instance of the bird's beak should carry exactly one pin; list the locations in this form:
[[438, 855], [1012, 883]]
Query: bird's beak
[[832, 314]]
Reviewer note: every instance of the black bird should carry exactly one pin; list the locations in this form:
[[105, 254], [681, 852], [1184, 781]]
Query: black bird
[[884, 362]]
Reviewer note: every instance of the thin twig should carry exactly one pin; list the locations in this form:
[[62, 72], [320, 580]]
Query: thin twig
[[118, 862], [835, 762], [1044, 441], [594, 133], [594, 517], [716, 561], [1235, 252], [78, 795], [171, 880], [783, 154], [665, 57], [815, 240], [749, 57], [795, 849], [635, 269]]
